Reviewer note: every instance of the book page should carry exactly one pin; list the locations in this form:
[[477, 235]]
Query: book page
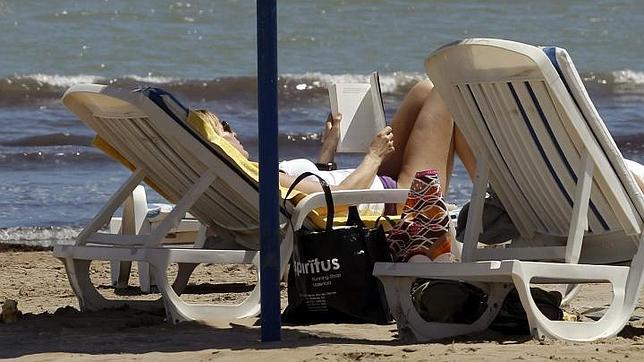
[[378, 104], [333, 98], [354, 102]]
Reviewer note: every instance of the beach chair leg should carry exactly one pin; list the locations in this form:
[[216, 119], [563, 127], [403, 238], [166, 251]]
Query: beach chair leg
[[186, 269], [183, 276], [412, 327], [123, 268], [571, 291], [146, 279], [119, 270], [88, 297], [609, 325], [179, 311], [135, 209]]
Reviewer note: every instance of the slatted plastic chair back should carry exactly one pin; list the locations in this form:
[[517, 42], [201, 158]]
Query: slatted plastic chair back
[[173, 156], [510, 102]]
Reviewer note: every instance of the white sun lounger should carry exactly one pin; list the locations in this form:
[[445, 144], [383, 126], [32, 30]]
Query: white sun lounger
[[194, 174], [544, 149]]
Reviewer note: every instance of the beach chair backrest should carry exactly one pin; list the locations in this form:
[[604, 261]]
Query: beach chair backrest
[[147, 127], [535, 126]]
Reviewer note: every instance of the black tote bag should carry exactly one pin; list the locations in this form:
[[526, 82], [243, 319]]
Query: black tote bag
[[330, 278]]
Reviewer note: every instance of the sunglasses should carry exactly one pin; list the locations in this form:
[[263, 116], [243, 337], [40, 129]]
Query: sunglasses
[[226, 126]]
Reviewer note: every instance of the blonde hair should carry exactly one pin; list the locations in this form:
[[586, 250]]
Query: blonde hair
[[212, 119]]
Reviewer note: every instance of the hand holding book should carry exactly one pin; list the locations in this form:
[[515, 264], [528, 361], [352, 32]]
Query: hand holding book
[[382, 144]]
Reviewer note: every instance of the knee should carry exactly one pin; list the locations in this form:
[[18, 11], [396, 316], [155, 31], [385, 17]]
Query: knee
[[422, 89]]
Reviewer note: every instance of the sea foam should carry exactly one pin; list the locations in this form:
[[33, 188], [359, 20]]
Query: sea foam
[[38, 236], [628, 76]]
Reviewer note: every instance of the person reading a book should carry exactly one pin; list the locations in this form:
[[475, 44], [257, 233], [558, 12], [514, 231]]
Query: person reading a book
[[421, 136]]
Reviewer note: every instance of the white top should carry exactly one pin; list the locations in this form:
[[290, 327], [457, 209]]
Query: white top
[[298, 166]]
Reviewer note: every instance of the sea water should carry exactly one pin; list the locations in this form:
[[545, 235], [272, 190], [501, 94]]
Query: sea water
[[52, 181]]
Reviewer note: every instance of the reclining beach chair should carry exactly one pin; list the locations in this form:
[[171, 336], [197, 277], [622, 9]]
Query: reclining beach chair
[[542, 146], [213, 182]]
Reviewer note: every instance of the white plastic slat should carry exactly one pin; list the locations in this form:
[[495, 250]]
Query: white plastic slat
[[570, 147], [178, 158], [167, 170], [518, 152], [101, 127], [246, 190], [510, 147], [471, 124], [117, 239], [166, 178], [557, 185], [603, 137], [543, 180], [187, 200], [214, 199], [500, 176], [530, 253], [608, 181], [245, 194]]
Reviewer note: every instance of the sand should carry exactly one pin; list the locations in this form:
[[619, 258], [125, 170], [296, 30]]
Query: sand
[[52, 328]]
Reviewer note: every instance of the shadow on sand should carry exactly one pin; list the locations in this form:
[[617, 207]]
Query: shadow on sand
[[128, 330], [131, 331]]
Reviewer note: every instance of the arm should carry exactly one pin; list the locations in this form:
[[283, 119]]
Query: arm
[[330, 139], [364, 174]]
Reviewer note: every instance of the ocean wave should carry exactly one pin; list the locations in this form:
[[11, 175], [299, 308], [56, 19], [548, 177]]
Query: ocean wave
[[630, 143], [47, 140], [36, 88], [389, 83], [39, 236], [62, 149], [288, 140], [55, 140], [55, 79], [48, 156], [629, 77], [150, 79], [301, 88]]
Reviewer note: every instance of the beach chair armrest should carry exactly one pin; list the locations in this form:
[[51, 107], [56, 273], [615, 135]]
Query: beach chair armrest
[[345, 197]]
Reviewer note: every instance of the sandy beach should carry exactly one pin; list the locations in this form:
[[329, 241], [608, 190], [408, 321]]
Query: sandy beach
[[52, 328]]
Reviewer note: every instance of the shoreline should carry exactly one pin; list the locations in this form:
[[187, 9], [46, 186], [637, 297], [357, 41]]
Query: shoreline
[[52, 328]]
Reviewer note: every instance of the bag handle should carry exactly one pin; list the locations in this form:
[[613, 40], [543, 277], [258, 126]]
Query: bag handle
[[327, 196], [354, 217], [385, 217]]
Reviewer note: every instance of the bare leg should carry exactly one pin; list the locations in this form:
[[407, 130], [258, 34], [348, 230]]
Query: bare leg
[[402, 126], [425, 137], [430, 143], [464, 153]]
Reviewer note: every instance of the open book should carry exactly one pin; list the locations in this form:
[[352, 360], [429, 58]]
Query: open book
[[363, 113]]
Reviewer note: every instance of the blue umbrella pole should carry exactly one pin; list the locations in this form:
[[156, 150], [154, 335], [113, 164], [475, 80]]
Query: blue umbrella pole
[[268, 173]]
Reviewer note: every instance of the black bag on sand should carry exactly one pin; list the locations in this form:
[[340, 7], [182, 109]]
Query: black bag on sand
[[330, 277], [449, 301], [512, 318]]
